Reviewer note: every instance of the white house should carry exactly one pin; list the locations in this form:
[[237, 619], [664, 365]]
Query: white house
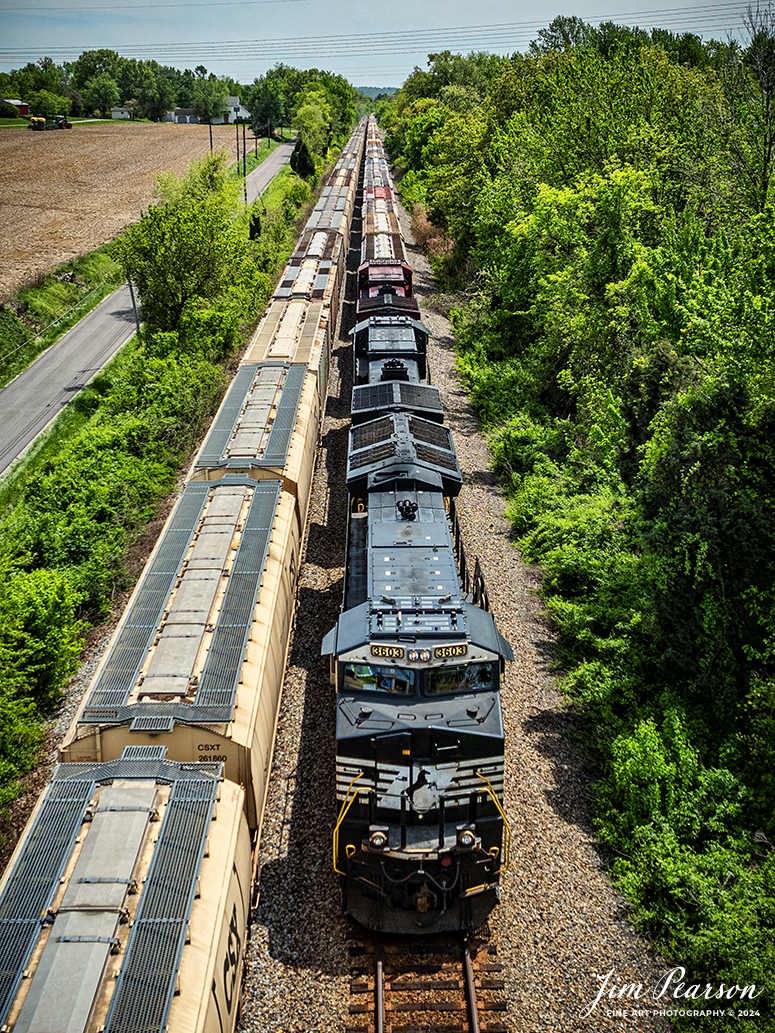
[[234, 112]]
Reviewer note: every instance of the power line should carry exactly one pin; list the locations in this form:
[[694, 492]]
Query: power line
[[339, 52], [249, 3], [135, 7], [503, 35]]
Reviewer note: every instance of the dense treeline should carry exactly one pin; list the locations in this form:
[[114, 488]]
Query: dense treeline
[[320, 104], [604, 203], [101, 79]]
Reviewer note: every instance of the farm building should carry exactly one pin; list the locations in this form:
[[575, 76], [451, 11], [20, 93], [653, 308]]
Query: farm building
[[22, 107]]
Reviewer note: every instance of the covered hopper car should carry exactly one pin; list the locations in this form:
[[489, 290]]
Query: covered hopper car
[[125, 904]]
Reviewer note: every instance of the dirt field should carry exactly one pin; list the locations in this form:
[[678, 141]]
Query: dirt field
[[64, 193]]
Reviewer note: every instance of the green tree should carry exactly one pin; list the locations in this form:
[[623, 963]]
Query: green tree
[[51, 77], [274, 98], [155, 96], [130, 79], [186, 89], [48, 105], [91, 63], [312, 119], [189, 251], [101, 94], [210, 99], [749, 78], [563, 33]]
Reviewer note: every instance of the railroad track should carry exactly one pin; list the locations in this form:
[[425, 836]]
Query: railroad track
[[444, 984]]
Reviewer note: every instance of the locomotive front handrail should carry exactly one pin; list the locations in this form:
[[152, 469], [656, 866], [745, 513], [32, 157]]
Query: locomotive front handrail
[[346, 805], [506, 826]]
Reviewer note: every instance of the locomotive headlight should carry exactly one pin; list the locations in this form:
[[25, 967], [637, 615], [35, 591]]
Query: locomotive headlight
[[466, 838], [378, 840], [419, 654]]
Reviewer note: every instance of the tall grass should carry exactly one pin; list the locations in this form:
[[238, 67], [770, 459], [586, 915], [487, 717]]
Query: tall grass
[[39, 315]]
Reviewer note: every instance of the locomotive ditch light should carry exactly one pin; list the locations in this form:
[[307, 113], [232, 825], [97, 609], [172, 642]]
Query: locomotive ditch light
[[466, 837], [378, 838]]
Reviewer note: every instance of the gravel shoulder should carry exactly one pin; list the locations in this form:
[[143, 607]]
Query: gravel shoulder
[[561, 924]]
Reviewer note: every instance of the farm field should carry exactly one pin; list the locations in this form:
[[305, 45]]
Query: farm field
[[65, 193]]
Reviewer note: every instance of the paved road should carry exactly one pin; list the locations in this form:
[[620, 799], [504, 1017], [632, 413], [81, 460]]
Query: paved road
[[35, 397], [260, 178]]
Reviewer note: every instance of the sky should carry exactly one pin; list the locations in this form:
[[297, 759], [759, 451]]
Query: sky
[[369, 43]]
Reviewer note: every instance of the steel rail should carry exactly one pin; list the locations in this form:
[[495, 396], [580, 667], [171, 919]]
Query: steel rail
[[379, 993], [470, 990]]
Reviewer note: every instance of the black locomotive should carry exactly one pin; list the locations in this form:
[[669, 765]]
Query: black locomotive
[[421, 837]]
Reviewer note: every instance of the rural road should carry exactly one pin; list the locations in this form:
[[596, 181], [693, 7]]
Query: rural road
[[31, 401], [37, 395], [260, 178]]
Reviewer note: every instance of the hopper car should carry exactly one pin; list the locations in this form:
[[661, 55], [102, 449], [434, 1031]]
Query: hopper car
[[125, 905]]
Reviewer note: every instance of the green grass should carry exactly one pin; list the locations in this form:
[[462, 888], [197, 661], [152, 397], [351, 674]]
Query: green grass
[[40, 315], [64, 429], [275, 193]]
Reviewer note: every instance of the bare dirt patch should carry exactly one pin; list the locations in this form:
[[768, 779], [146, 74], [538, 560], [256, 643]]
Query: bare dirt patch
[[64, 193]]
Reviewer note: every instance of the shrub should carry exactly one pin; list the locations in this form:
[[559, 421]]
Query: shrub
[[40, 635]]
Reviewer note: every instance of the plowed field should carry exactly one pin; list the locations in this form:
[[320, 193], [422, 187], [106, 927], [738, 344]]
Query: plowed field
[[65, 192]]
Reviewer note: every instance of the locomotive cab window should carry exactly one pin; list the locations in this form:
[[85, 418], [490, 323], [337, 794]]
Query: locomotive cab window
[[441, 681], [370, 678]]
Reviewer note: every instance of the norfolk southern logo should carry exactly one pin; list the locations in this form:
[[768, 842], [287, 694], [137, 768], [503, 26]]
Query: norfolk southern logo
[[673, 994]]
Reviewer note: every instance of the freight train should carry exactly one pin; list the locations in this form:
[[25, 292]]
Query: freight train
[[125, 904], [420, 838]]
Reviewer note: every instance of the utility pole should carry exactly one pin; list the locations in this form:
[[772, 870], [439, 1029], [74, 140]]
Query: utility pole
[[134, 306], [244, 165]]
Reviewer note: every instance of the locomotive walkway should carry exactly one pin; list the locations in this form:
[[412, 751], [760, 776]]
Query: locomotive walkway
[[31, 401]]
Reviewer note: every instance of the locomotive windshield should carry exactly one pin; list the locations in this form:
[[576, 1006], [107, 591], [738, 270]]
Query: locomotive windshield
[[440, 681], [433, 681], [379, 679]]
